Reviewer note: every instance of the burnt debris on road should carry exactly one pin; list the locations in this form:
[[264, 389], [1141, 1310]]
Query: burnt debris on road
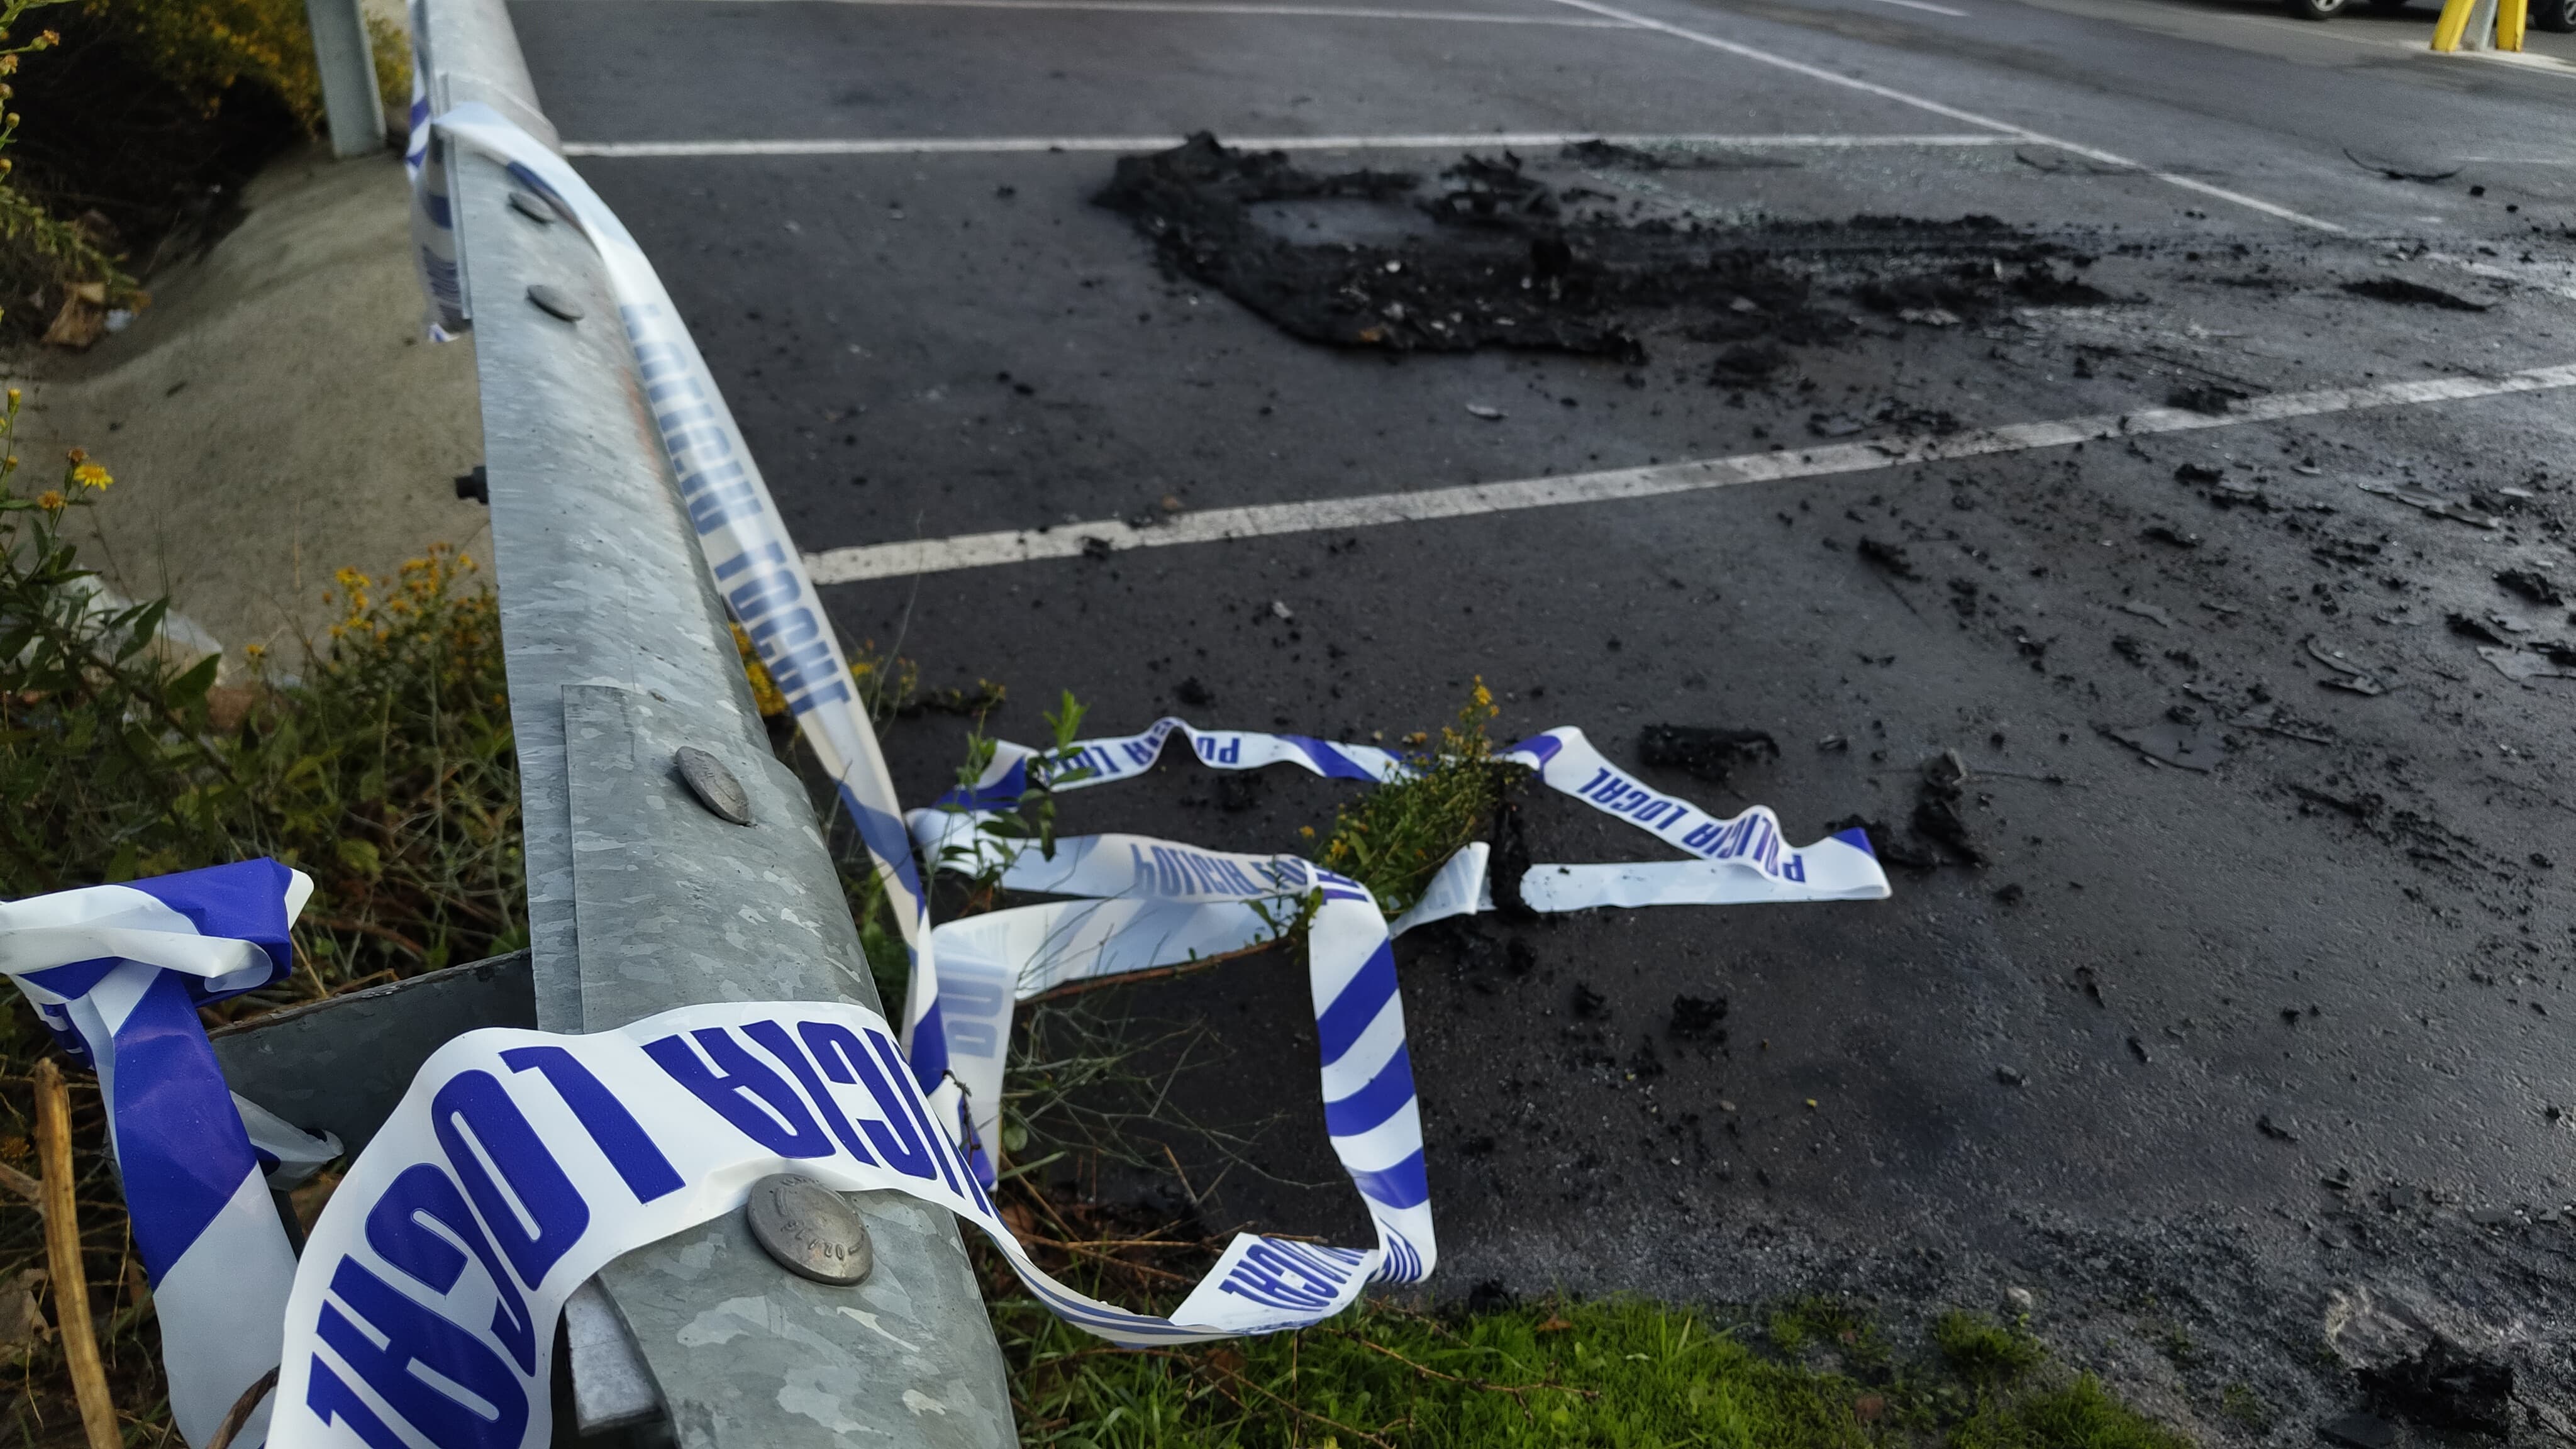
[[1488, 253]]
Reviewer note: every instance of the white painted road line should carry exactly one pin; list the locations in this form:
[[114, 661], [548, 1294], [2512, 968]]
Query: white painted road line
[[986, 550], [1455, 140], [1935, 9], [1817, 72], [1220, 7]]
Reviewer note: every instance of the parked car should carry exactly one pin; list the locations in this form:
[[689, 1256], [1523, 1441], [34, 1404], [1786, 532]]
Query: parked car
[[2558, 15]]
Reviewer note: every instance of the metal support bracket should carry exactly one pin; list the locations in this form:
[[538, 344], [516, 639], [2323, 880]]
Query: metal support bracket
[[347, 60]]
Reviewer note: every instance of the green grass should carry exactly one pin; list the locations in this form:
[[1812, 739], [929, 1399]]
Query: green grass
[[1986, 1353], [1620, 1374], [2077, 1415]]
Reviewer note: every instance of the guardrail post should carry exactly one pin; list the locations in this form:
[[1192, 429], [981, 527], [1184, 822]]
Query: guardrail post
[[640, 898], [347, 61]]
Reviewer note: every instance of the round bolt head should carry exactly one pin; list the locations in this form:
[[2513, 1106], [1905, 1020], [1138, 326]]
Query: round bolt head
[[713, 784], [532, 208], [552, 300], [811, 1230]]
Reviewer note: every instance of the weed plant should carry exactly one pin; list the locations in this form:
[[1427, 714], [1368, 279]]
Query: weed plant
[[1395, 838], [385, 771], [39, 250]]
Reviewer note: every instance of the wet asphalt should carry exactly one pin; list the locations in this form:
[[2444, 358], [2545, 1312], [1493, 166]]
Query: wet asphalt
[[2210, 1049]]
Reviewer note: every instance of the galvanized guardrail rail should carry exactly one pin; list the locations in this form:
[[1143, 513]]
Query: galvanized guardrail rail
[[640, 898]]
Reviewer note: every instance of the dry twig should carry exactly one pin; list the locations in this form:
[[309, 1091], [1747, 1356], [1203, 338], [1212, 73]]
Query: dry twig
[[1482, 1384], [24, 1186], [63, 1252], [241, 1410], [1291, 1406]]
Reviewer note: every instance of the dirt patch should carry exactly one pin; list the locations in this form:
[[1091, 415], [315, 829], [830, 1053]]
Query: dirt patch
[[2411, 294], [1710, 753], [1487, 253]]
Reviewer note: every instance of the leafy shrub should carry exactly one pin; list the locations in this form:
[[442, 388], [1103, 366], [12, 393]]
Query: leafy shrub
[[146, 124], [386, 771]]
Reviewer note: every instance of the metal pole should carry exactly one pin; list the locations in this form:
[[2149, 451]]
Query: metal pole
[[348, 65], [640, 898]]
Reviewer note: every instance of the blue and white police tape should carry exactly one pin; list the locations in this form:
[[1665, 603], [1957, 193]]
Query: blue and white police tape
[[493, 1193], [118, 972], [433, 216], [1141, 903], [520, 1163], [756, 566]]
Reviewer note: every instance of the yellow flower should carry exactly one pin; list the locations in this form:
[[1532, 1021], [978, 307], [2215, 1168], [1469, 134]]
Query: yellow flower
[[91, 476], [13, 392], [255, 652], [765, 694], [77, 455], [351, 579], [50, 501]]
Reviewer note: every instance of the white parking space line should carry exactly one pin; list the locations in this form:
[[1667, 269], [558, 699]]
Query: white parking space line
[[986, 550], [1817, 72], [1438, 141], [1218, 7]]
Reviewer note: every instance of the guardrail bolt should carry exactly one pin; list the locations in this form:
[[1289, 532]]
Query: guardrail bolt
[[811, 1230], [713, 784], [532, 208], [552, 300]]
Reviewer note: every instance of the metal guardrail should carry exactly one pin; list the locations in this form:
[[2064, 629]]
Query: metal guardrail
[[640, 899]]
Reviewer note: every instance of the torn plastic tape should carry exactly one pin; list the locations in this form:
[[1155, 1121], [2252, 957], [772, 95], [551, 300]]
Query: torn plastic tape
[[117, 973]]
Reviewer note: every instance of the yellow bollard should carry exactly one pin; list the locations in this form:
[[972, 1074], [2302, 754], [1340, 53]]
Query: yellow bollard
[[2467, 25], [2455, 19]]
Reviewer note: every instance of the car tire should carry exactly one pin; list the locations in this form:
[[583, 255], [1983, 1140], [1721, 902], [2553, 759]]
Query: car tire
[[2316, 9], [2557, 15]]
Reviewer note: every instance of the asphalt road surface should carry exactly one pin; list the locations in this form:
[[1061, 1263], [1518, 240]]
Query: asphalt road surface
[[2235, 1030]]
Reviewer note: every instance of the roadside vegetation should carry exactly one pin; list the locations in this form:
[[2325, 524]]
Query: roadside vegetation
[[384, 769], [141, 123], [1621, 1372]]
